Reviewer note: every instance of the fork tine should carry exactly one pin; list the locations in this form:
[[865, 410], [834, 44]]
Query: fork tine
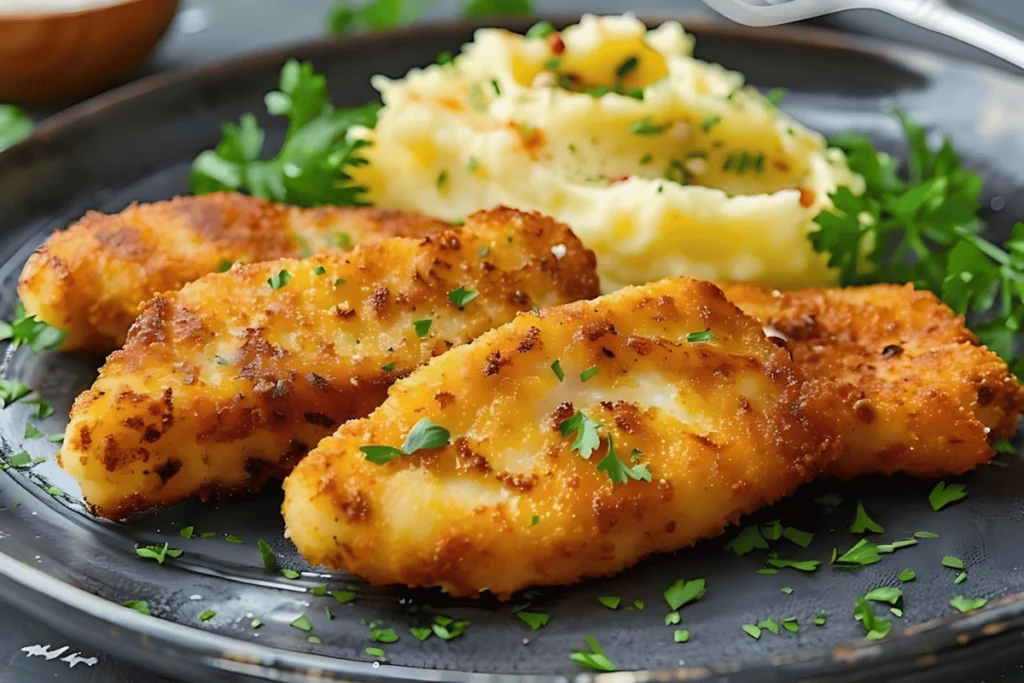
[[779, 12]]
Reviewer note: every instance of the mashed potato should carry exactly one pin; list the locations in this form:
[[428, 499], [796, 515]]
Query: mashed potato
[[663, 164]]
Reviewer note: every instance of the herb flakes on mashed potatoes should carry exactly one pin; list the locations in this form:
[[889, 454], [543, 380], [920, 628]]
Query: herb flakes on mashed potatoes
[[663, 164]]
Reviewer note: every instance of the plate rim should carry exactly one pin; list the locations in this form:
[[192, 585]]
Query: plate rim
[[997, 621]]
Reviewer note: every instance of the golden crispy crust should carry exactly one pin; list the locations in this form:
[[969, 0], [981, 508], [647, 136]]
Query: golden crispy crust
[[90, 279], [915, 392], [723, 428], [228, 382]]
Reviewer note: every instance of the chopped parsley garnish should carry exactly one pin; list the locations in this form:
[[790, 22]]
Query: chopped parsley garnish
[[767, 571], [702, 336], [942, 495], [967, 604], [425, 434], [683, 592], [23, 459], [672, 618], [710, 122], [820, 619], [462, 296], [787, 590], [54, 491], [541, 29], [864, 523], [646, 127], [344, 596], [255, 623], [11, 390], [874, 627], [208, 534], [290, 574], [952, 562], [752, 631], [801, 538], [681, 636], [383, 635], [319, 270], [907, 575], [829, 500], [534, 620], [318, 590], [315, 640], [769, 625], [269, 558], [279, 279], [556, 368], [484, 251], [15, 125], [595, 659], [389, 367], [420, 633], [862, 553], [375, 652], [186, 531], [775, 95], [442, 180], [960, 578], [55, 438], [231, 538], [140, 606], [156, 552], [800, 565], [587, 439], [773, 530], [885, 594], [589, 373], [446, 628], [422, 327], [32, 432], [534, 520], [207, 615], [301, 623], [43, 409], [618, 471], [221, 360], [610, 601], [25, 329], [471, 165], [638, 604], [341, 240], [313, 166], [224, 266]]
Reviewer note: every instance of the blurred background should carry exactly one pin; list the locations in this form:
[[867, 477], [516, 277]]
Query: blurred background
[[48, 64]]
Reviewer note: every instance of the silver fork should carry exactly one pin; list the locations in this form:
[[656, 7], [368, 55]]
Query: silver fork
[[935, 15]]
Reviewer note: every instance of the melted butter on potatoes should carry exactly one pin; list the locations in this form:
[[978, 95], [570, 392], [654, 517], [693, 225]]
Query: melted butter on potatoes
[[663, 164]]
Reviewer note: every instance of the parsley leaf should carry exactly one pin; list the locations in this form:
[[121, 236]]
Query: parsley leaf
[[589, 373], [683, 592], [967, 604], [752, 631], [587, 439], [800, 565], [15, 125], [280, 279], [556, 368], [462, 296], [269, 558], [610, 601], [312, 166], [534, 620], [503, 8], [383, 635], [31, 431], [942, 495], [885, 594], [420, 633], [747, 540], [875, 628], [140, 606], [681, 636], [25, 329], [864, 523], [302, 623], [907, 575], [595, 659], [207, 615], [156, 552], [801, 538], [952, 562], [702, 336], [424, 434], [422, 327], [446, 628], [618, 471]]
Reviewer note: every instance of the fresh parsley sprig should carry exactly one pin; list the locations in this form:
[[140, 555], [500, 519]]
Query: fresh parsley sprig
[[925, 230], [15, 125], [345, 16], [25, 329], [311, 168]]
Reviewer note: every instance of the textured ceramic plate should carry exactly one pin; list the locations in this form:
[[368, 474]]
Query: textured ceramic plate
[[73, 571]]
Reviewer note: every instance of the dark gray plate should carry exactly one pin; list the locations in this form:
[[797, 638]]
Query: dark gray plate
[[72, 571]]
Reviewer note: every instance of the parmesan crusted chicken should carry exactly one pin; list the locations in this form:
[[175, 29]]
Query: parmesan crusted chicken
[[916, 392], [228, 382], [574, 441], [90, 279]]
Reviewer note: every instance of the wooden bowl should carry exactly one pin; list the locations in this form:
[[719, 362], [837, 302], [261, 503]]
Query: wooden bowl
[[55, 58]]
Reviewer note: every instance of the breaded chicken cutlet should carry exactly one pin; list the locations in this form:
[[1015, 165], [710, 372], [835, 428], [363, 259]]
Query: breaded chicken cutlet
[[619, 424], [90, 279], [229, 381], [915, 391]]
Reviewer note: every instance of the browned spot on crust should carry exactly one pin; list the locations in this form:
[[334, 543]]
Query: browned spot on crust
[[168, 469], [123, 241], [469, 460], [531, 339], [986, 395], [152, 435], [320, 420], [520, 482], [493, 363], [594, 331], [346, 313], [864, 411], [641, 345], [444, 398], [563, 411], [379, 299], [892, 350], [670, 527], [610, 509]]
